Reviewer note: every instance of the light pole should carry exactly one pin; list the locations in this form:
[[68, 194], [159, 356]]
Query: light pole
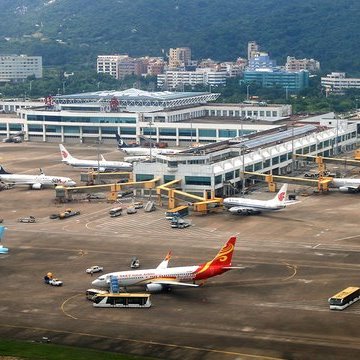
[[63, 84], [286, 92], [247, 92], [30, 87], [243, 171], [150, 123]]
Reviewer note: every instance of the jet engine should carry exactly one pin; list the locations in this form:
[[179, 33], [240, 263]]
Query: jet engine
[[344, 189], [36, 186], [154, 288]]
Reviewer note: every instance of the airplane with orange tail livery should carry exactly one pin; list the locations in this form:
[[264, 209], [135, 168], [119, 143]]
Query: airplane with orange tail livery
[[163, 277]]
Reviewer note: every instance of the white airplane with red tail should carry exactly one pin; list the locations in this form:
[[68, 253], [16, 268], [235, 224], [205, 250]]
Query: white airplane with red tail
[[253, 206], [163, 277]]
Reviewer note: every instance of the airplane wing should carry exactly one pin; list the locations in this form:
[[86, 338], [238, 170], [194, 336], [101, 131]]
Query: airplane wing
[[165, 262], [242, 209], [173, 283], [291, 202]]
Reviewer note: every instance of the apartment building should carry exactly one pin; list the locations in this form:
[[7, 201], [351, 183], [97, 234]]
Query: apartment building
[[201, 76], [109, 64], [179, 57], [293, 64], [19, 67], [252, 49]]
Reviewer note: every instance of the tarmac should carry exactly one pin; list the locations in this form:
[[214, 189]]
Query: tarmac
[[276, 307]]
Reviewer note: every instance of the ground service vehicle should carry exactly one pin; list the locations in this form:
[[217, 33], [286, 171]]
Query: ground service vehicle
[[124, 193], [315, 174], [138, 205], [94, 269], [91, 293], [179, 211], [116, 211], [130, 300], [344, 298], [135, 263], [29, 219], [68, 213], [179, 223], [131, 210]]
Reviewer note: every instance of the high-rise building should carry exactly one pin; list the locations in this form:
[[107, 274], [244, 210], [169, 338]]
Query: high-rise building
[[253, 48], [293, 64], [19, 67], [179, 57]]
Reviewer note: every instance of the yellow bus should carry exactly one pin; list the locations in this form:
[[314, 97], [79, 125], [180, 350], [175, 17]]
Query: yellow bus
[[344, 298], [129, 300], [179, 211]]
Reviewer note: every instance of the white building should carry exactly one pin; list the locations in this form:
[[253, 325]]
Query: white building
[[201, 76], [109, 64], [176, 118], [216, 167], [336, 82], [19, 67]]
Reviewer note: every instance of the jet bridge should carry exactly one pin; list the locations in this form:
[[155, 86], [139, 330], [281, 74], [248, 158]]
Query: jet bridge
[[200, 204], [322, 184], [65, 194]]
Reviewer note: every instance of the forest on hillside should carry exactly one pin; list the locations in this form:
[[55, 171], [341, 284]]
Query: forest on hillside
[[71, 33]]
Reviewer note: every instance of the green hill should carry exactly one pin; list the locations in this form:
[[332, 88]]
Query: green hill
[[73, 32]]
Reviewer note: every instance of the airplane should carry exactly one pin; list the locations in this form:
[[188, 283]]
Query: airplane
[[252, 206], [143, 151], [36, 182], [103, 164], [163, 277], [346, 184], [3, 250]]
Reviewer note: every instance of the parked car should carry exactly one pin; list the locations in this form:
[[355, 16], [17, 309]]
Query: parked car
[[131, 210], [28, 219], [94, 269]]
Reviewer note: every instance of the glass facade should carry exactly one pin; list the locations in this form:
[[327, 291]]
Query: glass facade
[[144, 177], [198, 180], [207, 133], [83, 119], [187, 132], [226, 133]]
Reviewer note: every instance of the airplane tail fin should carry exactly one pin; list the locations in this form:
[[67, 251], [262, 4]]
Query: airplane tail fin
[[165, 262], [3, 171], [102, 158], [280, 197], [224, 256], [64, 153], [121, 142]]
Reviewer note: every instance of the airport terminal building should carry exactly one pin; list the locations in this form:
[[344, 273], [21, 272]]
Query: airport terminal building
[[256, 137], [170, 117]]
